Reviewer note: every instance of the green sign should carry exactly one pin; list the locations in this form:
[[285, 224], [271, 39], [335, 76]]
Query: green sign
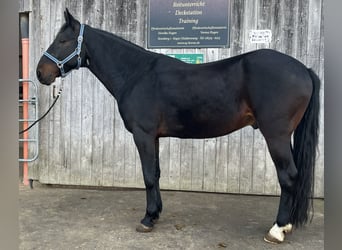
[[188, 58]]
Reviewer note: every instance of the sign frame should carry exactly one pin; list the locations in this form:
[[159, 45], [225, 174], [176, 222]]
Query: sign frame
[[188, 24]]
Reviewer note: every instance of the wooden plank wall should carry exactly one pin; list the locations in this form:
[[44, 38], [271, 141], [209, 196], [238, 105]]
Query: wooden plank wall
[[83, 140]]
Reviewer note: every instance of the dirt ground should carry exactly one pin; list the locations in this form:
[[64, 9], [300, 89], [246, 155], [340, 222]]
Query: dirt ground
[[69, 218]]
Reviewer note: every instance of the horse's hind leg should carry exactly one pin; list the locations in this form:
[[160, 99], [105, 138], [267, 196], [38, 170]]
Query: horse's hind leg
[[281, 153]]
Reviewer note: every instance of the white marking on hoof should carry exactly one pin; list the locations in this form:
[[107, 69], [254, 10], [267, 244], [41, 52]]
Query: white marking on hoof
[[276, 234], [287, 228]]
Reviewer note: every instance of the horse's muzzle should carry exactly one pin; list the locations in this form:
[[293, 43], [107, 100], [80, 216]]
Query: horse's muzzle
[[47, 73]]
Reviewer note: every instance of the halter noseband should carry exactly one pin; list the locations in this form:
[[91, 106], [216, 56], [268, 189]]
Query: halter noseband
[[77, 52]]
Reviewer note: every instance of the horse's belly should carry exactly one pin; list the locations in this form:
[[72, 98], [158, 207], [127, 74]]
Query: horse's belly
[[188, 125]]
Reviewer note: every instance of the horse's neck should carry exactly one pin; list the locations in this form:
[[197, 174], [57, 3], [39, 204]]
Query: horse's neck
[[114, 61]]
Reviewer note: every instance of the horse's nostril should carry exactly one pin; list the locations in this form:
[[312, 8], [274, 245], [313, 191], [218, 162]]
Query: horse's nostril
[[38, 73]]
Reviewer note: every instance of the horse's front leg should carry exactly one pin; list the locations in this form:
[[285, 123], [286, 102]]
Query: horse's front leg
[[146, 145], [159, 200]]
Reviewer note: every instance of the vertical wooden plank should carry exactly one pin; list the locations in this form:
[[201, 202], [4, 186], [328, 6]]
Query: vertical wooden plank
[[271, 185], [86, 126], [119, 153], [108, 160], [302, 29], [33, 147], [142, 12], [36, 49], [58, 134], [164, 162], [197, 166], [175, 164], [234, 161], [96, 17], [121, 13], [313, 52], [236, 32], [209, 162], [134, 165], [313, 38], [132, 21], [165, 142], [132, 153], [55, 157], [65, 134], [247, 135], [125, 154], [87, 92], [296, 34], [264, 12], [264, 19], [130, 150], [76, 128], [246, 160], [221, 164], [277, 26], [44, 20], [319, 192], [33, 171], [185, 163], [65, 112], [212, 55], [76, 110], [97, 134], [45, 34], [25, 6], [234, 142], [289, 12]]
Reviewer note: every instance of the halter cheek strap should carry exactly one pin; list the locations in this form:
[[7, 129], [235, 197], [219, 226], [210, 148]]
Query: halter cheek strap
[[77, 52]]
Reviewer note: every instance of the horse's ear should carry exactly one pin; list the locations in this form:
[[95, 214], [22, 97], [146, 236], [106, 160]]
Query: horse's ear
[[69, 19]]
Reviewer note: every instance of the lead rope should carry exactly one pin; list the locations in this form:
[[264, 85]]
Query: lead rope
[[42, 117]]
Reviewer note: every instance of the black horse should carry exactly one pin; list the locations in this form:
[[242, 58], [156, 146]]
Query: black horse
[[159, 96]]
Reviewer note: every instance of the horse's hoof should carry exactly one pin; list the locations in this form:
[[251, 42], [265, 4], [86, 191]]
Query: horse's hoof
[[143, 229], [270, 239], [276, 234]]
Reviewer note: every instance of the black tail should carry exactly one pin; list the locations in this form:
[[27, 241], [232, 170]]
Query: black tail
[[304, 154]]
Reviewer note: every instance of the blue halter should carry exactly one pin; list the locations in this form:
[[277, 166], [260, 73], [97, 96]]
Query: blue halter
[[77, 52]]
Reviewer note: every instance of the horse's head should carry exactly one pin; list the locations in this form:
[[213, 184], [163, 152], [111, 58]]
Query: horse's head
[[64, 54]]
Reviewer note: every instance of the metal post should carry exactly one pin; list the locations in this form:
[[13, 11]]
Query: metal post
[[24, 24]]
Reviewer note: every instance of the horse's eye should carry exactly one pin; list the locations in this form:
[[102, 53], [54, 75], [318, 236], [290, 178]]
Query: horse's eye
[[62, 41]]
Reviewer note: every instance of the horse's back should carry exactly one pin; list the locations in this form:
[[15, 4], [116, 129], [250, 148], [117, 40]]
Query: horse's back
[[268, 72]]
